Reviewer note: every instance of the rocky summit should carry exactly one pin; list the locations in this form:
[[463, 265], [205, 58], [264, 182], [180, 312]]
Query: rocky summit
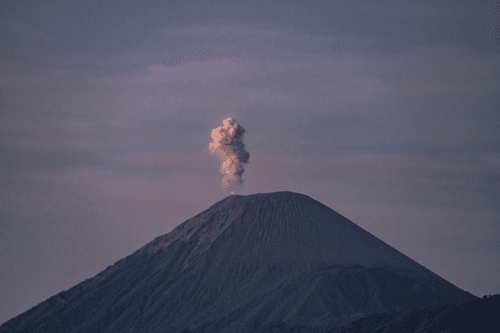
[[247, 264]]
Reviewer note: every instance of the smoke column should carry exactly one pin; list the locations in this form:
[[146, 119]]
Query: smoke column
[[229, 147]]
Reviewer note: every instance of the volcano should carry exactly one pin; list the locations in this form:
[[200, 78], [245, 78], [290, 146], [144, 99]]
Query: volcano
[[246, 264]]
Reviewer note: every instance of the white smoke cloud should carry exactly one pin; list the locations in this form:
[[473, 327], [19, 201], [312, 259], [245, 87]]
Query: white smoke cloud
[[228, 146]]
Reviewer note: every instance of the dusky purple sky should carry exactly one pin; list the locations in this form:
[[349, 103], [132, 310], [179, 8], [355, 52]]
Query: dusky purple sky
[[386, 111]]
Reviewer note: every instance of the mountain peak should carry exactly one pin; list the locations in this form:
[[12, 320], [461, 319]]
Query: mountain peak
[[281, 227]]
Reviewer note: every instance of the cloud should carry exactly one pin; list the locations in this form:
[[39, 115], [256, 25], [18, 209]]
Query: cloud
[[201, 71], [178, 159], [229, 147]]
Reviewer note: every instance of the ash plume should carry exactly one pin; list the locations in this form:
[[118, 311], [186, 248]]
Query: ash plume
[[228, 146]]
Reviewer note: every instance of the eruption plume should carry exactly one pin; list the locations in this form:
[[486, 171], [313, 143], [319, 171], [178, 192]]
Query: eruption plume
[[229, 147]]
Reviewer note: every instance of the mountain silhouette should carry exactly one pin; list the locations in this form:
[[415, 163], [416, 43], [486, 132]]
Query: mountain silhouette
[[246, 264]]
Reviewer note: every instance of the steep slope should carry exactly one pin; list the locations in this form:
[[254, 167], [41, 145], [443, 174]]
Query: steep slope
[[244, 264]]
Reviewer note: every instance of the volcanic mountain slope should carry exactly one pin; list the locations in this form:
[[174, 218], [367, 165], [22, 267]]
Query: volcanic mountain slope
[[244, 264]]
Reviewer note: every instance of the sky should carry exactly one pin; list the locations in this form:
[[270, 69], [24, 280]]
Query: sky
[[386, 111]]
